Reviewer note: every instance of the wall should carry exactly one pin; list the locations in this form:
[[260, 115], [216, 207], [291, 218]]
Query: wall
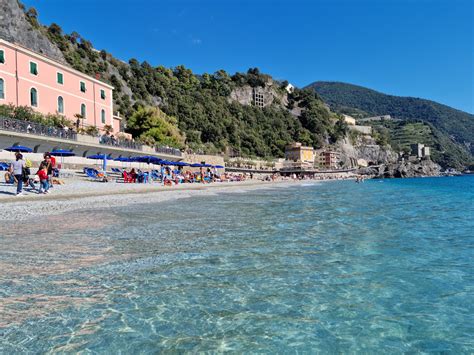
[[17, 62], [209, 159]]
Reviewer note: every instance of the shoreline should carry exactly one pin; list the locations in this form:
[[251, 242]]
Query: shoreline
[[91, 196]]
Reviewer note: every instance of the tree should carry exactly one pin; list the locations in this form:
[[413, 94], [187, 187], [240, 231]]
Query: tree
[[153, 123]]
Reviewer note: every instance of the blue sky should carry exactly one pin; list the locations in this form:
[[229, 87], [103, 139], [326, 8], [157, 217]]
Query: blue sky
[[421, 48]]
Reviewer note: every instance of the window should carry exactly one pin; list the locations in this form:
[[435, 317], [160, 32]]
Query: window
[[102, 116], [34, 97], [83, 86], [83, 111], [2, 56], [2, 89], [33, 68], [60, 78], [102, 94], [60, 104]]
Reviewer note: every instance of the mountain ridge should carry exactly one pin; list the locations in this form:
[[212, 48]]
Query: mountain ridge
[[453, 126]]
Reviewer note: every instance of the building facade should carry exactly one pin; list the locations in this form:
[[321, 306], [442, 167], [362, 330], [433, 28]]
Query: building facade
[[420, 150], [349, 120], [31, 79], [329, 159], [297, 153]]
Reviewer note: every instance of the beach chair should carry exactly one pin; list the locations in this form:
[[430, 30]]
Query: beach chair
[[91, 173], [127, 178]]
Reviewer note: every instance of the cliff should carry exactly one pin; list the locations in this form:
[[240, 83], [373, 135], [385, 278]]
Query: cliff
[[14, 27]]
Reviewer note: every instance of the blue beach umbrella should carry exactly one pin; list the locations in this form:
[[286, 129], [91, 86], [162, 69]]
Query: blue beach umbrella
[[102, 157], [19, 149], [181, 163], [196, 165], [62, 153], [219, 167]]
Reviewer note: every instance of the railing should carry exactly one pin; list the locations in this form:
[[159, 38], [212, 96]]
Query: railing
[[14, 125], [166, 150], [122, 143]]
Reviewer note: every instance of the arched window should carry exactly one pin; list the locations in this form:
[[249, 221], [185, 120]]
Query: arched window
[[102, 116], [34, 97], [2, 89], [83, 111], [60, 104]]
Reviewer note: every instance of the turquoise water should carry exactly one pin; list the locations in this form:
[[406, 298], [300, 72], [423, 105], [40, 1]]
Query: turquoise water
[[336, 267]]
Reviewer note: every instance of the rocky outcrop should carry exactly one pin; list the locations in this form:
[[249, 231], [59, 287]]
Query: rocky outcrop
[[403, 169], [245, 95], [15, 28], [367, 151]]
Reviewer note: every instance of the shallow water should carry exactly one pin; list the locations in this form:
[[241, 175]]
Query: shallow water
[[332, 267]]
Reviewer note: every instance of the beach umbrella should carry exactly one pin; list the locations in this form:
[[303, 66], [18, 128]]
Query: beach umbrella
[[181, 163], [102, 157], [219, 167], [149, 159], [166, 162], [196, 165], [19, 149], [62, 153]]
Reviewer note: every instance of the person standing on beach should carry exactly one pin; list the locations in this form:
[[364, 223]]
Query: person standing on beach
[[26, 174], [43, 177], [16, 168], [48, 164]]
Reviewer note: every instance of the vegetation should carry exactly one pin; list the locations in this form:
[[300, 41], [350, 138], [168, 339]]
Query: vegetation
[[152, 125], [196, 110], [449, 131], [26, 113]]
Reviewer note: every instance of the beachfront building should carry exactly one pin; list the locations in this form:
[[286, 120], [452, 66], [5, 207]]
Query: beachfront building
[[351, 121], [329, 159], [299, 156], [31, 79]]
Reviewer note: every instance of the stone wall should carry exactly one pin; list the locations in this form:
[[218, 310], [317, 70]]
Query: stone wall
[[208, 159]]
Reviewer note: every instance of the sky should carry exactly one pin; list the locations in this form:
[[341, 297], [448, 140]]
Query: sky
[[419, 48]]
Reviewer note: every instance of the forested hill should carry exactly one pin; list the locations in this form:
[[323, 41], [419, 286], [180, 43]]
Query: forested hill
[[174, 106], [359, 101]]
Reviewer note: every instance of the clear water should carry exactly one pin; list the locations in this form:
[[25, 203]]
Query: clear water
[[335, 268]]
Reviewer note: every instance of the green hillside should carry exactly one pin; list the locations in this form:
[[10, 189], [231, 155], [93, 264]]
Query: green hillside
[[197, 111], [452, 131]]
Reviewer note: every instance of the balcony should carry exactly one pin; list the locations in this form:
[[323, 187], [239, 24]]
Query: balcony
[[118, 142], [38, 129]]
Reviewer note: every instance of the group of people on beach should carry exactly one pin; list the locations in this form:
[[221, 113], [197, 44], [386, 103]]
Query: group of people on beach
[[170, 177], [20, 173]]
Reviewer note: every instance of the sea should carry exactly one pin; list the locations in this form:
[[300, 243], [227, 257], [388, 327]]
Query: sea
[[318, 267]]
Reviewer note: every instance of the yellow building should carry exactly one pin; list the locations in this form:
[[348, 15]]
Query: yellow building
[[349, 120], [298, 153]]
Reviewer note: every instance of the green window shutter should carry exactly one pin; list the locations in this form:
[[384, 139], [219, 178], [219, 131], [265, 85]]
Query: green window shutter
[[2, 89], [2, 56], [60, 78], [33, 68], [102, 94], [83, 86], [60, 104], [34, 97], [83, 111], [103, 116]]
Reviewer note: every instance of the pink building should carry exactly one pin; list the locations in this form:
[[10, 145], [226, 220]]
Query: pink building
[[31, 79]]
